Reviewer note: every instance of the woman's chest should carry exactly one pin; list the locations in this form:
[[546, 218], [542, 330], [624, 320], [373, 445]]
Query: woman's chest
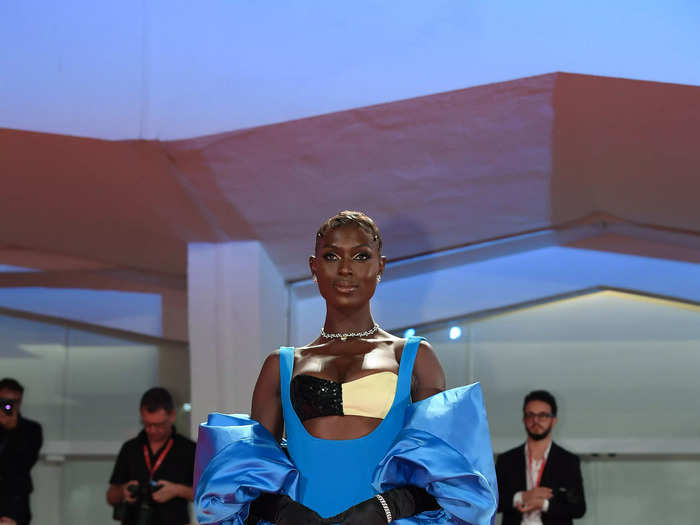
[[346, 366]]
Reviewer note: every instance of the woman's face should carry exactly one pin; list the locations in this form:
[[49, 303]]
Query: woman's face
[[346, 264]]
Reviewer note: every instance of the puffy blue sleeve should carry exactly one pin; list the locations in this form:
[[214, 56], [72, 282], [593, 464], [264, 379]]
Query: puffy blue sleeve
[[236, 460], [445, 447]]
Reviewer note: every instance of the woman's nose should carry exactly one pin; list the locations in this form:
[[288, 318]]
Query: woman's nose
[[345, 267]]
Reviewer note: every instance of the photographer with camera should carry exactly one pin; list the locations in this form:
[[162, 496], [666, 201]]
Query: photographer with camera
[[152, 479], [20, 441]]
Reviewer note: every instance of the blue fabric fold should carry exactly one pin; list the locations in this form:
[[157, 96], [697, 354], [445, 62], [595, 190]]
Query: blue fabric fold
[[237, 459], [444, 447]]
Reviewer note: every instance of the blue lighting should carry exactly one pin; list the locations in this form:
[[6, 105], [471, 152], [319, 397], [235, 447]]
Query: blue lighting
[[410, 332], [455, 332]]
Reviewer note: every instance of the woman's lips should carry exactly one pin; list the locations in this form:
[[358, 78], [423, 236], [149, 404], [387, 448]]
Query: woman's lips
[[345, 287]]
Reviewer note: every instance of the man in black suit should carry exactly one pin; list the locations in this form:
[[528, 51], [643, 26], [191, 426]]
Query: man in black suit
[[20, 441], [539, 483]]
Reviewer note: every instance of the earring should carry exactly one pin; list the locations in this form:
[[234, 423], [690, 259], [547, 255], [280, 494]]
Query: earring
[[379, 277], [314, 279]]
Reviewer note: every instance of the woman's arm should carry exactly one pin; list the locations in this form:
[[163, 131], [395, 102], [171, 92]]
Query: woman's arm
[[267, 410], [428, 375], [267, 403]]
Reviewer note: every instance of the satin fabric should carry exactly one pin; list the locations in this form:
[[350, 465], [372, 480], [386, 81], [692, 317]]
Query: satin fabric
[[237, 458], [444, 447]]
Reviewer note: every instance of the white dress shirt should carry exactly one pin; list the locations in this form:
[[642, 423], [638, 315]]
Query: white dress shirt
[[532, 472]]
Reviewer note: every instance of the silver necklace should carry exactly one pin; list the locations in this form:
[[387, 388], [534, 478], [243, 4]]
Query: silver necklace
[[344, 336]]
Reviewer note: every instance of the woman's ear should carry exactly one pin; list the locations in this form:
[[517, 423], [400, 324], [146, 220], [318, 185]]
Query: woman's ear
[[312, 264]]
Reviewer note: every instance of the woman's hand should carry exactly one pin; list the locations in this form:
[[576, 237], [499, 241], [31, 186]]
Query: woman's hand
[[368, 512], [282, 510], [401, 502], [293, 513]]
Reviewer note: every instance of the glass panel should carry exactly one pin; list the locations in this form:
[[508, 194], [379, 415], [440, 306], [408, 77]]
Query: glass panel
[[621, 366], [628, 490], [84, 387], [34, 353], [46, 501], [86, 481], [106, 377]]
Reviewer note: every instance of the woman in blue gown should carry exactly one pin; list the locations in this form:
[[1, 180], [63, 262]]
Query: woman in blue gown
[[372, 436]]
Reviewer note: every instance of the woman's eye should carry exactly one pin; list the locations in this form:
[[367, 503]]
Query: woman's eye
[[362, 256], [330, 257]]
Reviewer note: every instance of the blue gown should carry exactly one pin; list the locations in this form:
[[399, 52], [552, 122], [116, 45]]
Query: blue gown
[[441, 443]]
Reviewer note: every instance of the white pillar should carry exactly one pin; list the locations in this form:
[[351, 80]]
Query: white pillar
[[237, 310], [174, 315]]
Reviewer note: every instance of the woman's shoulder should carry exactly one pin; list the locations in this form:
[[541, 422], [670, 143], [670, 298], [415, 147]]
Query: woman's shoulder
[[274, 355], [277, 352], [428, 375], [273, 358], [271, 365], [424, 347]]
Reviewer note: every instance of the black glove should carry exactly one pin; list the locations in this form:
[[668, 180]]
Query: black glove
[[401, 502], [282, 510]]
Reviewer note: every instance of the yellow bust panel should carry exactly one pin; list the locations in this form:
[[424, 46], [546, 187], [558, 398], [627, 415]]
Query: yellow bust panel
[[370, 396]]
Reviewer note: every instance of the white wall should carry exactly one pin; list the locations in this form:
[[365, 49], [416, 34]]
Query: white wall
[[237, 315]]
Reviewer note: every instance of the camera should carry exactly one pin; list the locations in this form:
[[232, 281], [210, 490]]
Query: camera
[[7, 405], [140, 512]]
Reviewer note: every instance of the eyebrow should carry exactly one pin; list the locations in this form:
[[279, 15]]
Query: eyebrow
[[333, 246]]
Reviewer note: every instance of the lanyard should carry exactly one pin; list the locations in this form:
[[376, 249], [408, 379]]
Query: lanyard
[[159, 461], [529, 470]]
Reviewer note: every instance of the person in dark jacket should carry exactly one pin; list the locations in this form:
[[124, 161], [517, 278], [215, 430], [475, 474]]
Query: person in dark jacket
[[20, 441], [153, 475], [539, 482]]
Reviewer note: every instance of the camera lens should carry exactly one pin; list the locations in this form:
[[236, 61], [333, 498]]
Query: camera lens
[[7, 405]]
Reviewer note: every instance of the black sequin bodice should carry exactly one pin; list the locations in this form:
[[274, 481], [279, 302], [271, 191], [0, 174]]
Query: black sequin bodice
[[315, 397]]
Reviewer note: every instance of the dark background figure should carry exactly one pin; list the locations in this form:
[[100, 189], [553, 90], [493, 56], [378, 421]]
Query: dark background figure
[[20, 441], [152, 479], [540, 483]]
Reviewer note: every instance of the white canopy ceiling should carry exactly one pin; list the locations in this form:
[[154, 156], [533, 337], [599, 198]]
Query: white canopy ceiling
[[464, 162], [498, 161]]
